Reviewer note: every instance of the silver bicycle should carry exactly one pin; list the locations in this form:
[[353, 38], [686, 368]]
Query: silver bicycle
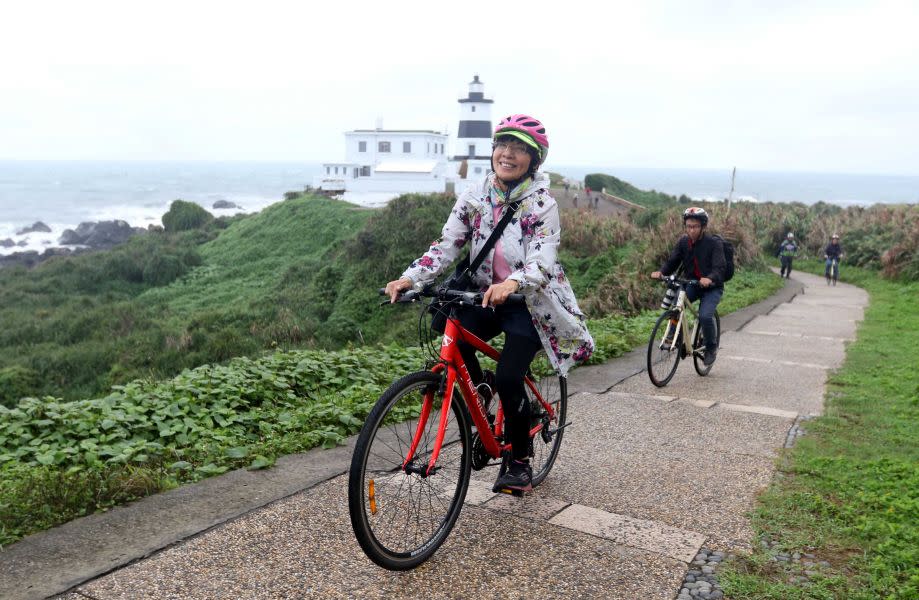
[[677, 335]]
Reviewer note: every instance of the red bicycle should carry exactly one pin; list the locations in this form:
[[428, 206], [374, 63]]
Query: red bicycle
[[413, 460]]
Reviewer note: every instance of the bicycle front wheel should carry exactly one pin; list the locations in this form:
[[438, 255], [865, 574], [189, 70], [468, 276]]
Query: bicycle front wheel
[[698, 347], [548, 387], [401, 515], [663, 356]]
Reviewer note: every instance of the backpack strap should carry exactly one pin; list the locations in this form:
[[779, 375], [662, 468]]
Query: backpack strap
[[493, 238]]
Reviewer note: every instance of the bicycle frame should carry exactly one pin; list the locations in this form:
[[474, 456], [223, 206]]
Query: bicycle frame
[[682, 305], [457, 373]]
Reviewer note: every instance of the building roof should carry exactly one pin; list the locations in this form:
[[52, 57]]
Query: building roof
[[387, 131], [406, 166]]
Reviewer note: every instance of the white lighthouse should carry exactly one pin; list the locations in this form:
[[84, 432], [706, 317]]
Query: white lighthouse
[[473, 139]]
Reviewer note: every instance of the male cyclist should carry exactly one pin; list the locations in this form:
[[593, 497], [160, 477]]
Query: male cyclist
[[787, 252], [701, 257], [833, 251]]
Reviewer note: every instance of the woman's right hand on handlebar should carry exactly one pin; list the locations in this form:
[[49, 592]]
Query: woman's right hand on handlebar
[[394, 288], [656, 275]]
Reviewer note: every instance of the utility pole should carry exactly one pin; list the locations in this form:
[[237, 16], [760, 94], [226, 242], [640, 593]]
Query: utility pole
[[731, 193]]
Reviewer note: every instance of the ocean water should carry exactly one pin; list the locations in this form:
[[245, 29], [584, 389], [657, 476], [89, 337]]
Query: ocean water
[[63, 194], [843, 189]]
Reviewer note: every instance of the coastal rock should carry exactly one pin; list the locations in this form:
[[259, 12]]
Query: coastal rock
[[36, 227], [225, 204], [7, 243], [103, 234], [31, 258]]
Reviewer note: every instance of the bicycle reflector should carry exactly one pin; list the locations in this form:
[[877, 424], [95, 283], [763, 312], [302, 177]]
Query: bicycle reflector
[[373, 498]]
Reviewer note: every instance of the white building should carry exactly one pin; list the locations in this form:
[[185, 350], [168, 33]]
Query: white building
[[389, 160], [399, 161]]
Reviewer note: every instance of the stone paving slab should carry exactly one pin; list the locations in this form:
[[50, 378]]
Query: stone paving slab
[[801, 310], [786, 387], [303, 546], [649, 535], [824, 326], [793, 349]]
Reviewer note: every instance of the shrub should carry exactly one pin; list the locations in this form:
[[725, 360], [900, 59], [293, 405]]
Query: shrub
[[16, 382], [183, 216]]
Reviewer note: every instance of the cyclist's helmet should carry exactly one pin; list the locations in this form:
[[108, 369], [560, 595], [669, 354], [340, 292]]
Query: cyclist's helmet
[[790, 235], [694, 212], [835, 236], [529, 131]]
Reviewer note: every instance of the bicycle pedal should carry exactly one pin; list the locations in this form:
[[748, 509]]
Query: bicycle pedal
[[510, 492]]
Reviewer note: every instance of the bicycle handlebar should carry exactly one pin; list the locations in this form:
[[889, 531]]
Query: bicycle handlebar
[[457, 296], [673, 279]]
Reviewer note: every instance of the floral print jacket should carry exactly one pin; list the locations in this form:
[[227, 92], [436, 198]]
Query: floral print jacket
[[530, 245]]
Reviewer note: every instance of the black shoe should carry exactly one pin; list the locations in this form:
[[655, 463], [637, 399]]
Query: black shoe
[[517, 476], [709, 357]]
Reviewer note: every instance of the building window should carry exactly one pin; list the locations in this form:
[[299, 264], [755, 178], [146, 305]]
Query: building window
[[383, 147], [365, 171], [328, 170], [441, 148], [356, 171], [429, 148], [406, 146], [473, 108], [471, 150], [362, 146], [478, 169]]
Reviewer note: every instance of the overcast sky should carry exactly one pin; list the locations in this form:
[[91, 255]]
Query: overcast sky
[[772, 85]]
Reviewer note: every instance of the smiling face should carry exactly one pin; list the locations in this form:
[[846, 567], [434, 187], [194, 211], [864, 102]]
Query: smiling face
[[511, 159]]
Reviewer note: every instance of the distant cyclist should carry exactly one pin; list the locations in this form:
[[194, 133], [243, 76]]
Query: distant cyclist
[[832, 253], [787, 252], [701, 257]]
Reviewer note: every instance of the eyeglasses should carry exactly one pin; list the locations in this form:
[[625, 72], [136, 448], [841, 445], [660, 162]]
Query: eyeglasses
[[510, 147], [687, 226]]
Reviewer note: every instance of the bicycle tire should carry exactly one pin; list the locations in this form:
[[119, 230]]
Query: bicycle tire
[[662, 362], [400, 519], [698, 346], [554, 390]]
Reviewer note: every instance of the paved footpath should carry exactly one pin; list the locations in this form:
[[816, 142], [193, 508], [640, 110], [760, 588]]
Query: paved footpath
[[645, 478]]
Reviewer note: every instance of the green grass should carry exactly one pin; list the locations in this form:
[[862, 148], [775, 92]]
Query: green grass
[[849, 491]]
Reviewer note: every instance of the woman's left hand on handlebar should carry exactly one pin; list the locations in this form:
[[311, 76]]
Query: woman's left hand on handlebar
[[705, 282], [498, 293]]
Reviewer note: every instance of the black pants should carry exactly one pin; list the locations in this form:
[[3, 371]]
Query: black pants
[[786, 265], [521, 343]]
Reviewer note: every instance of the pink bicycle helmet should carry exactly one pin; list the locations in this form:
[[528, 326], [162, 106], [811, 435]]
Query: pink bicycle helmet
[[528, 130]]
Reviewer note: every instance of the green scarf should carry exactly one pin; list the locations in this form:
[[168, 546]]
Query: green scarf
[[515, 193]]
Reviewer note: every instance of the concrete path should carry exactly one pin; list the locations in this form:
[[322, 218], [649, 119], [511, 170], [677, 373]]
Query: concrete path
[[646, 477]]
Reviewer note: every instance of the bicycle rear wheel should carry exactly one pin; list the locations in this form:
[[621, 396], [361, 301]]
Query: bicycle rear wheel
[[698, 347], [662, 359], [401, 516], [553, 390]]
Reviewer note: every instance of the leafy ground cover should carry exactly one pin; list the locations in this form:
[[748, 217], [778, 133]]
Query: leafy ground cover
[[849, 491]]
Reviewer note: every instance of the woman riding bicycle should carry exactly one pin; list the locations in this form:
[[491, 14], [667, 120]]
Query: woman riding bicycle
[[524, 260]]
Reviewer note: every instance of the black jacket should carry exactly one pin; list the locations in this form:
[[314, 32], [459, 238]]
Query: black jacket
[[708, 251], [833, 251]]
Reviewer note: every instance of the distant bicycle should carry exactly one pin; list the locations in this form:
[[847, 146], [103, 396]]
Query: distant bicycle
[[832, 270], [672, 338]]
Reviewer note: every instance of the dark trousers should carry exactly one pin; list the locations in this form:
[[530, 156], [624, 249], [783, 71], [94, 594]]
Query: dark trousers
[[707, 305], [786, 265], [521, 343]]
